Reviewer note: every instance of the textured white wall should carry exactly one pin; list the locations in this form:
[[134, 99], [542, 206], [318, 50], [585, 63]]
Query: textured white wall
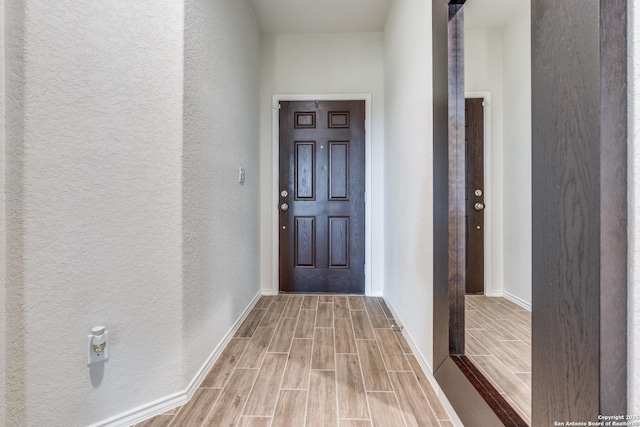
[[322, 64], [634, 210], [516, 39], [94, 150], [3, 225], [408, 166], [13, 300], [221, 134], [483, 58]]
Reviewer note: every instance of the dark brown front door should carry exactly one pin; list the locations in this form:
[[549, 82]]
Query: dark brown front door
[[474, 141], [321, 200]]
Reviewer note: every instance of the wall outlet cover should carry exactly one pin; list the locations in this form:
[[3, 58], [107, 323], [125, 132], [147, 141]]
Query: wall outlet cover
[[97, 351]]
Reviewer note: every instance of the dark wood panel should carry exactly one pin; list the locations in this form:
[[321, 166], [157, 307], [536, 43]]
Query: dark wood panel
[[440, 184], [305, 167], [456, 202], [322, 176], [565, 224], [305, 120], [474, 146], [339, 119], [305, 242], [613, 193], [338, 242], [579, 209], [338, 170]]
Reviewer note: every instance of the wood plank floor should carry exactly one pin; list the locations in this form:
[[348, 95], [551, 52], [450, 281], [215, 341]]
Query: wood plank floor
[[313, 361], [498, 341]]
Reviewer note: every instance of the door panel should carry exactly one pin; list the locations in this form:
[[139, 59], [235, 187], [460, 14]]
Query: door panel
[[339, 171], [322, 182], [339, 242], [304, 242], [305, 170], [474, 141]]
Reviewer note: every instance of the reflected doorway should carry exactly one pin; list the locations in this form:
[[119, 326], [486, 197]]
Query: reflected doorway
[[497, 62], [474, 195]]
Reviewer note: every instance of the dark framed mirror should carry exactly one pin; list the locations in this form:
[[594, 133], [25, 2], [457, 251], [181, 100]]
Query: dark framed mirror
[[579, 245]]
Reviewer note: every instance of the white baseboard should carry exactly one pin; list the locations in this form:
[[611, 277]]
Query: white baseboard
[[426, 368], [494, 294], [516, 300], [269, 292], [213, 357], [144, 412], [166, 403]]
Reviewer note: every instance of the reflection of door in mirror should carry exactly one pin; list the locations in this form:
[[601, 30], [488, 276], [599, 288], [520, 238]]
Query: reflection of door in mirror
[[474, 194], [498, 138]]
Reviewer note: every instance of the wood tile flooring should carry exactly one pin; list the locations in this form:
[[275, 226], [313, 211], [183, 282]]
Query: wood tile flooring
[[498, 341], [325, 361]]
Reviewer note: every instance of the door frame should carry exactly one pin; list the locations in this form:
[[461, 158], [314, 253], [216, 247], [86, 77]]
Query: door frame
[[275, 184], [490, 289]]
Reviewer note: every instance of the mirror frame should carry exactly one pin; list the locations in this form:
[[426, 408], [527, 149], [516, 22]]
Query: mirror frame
[[578, 327]]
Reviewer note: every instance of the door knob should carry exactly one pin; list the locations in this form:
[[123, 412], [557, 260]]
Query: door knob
[[284, 206], [478, 206]]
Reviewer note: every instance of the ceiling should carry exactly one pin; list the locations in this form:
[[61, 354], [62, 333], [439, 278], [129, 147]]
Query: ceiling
[[321, 16], [347, 16]]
